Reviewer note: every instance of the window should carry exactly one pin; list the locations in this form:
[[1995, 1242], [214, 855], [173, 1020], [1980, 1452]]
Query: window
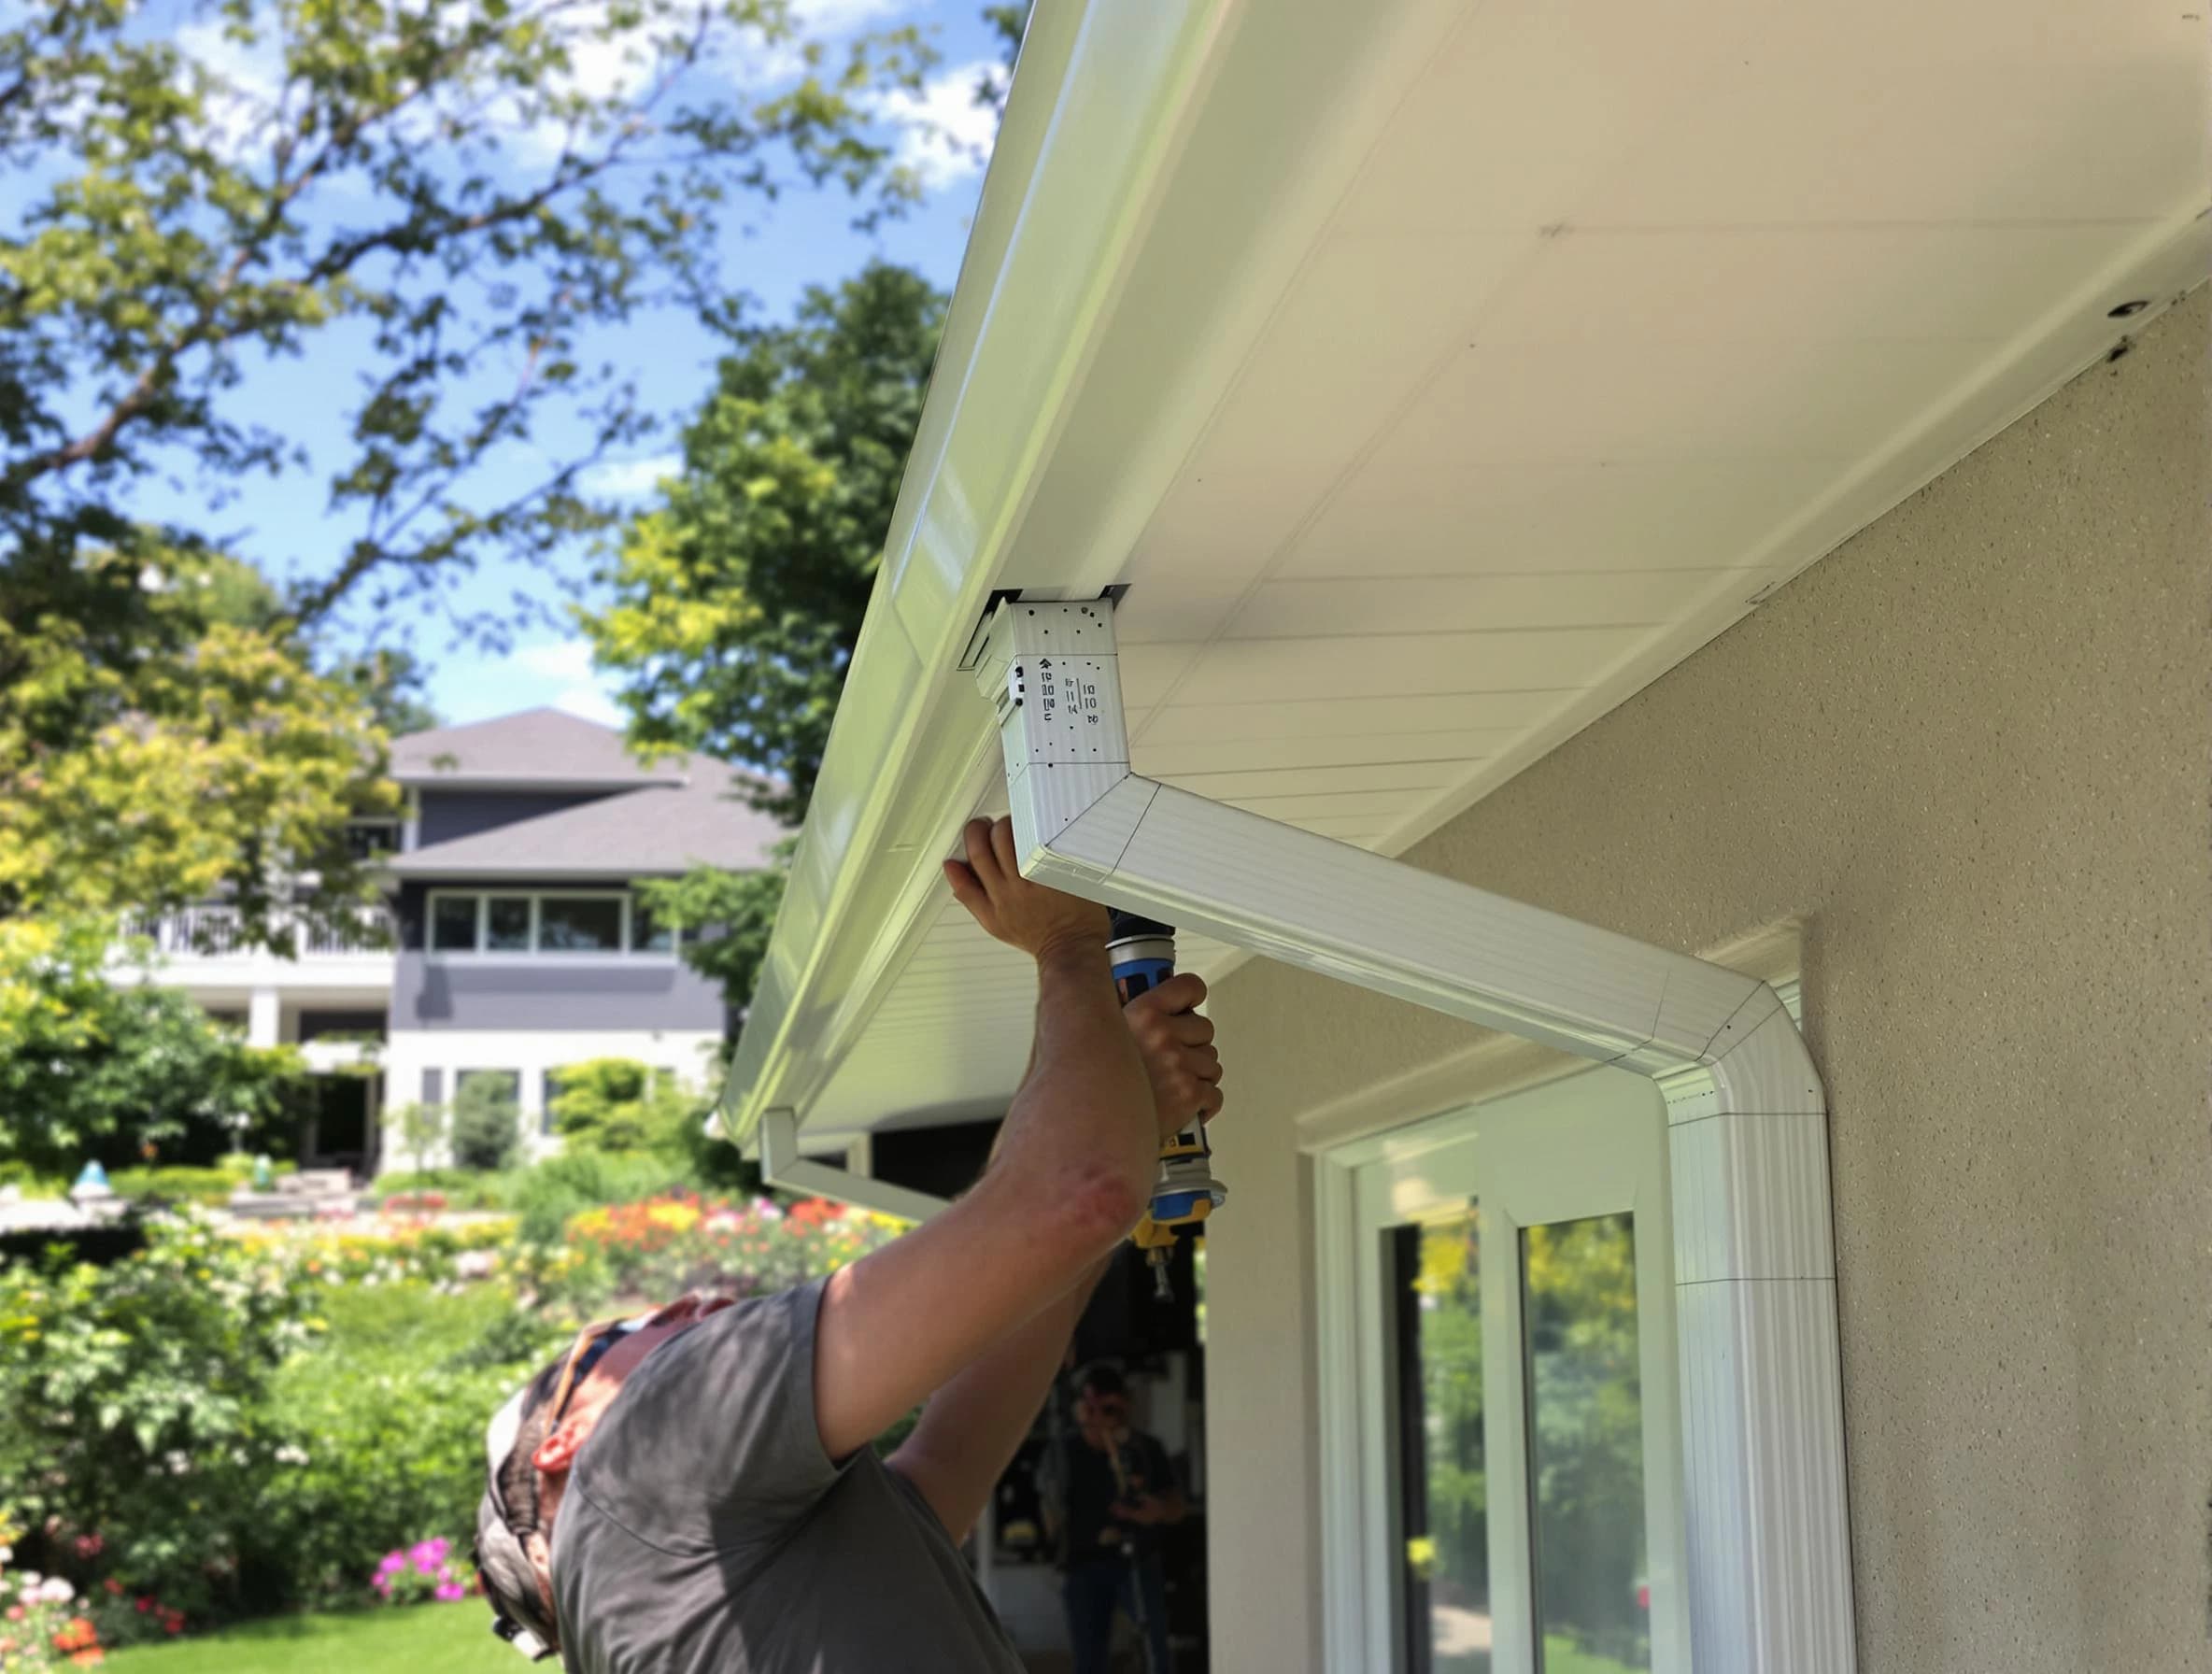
[[554, 921], [1435, 1269], [506, 924], [1503, 1414], [366, 839], [580, 924], [453, 924], [1585, 1438], [648, 934], [433, 1087]]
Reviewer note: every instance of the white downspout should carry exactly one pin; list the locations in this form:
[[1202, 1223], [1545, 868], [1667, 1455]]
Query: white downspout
[[782, 1164], [1768, 1535]]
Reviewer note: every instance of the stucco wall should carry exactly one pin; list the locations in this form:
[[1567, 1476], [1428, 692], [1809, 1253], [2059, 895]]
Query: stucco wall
[[1969, 749]]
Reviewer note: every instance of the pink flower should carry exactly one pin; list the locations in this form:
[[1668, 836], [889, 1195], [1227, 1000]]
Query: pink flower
[[452, 1593]]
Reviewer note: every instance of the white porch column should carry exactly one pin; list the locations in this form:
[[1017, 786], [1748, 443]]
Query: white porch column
[[264, 1014]]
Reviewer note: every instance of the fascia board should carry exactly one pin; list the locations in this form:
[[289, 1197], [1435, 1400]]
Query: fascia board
[[1099, 105]]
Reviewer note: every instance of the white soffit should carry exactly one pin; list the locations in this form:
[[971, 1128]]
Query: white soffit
[[1434, 376]]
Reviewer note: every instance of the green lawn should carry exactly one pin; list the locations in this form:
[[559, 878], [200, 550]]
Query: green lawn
[[426, 1638]]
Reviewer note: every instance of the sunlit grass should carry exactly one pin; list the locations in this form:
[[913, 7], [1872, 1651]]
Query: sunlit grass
[[429, 1639]]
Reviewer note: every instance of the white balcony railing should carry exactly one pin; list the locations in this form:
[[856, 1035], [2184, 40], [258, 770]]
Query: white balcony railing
[[217, 931]]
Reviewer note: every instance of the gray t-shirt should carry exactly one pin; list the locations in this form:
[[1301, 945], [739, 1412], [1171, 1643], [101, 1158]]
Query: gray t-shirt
[[705, 1532]]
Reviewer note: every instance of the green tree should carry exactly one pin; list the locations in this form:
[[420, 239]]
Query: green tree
[[478, 189], [178, 747], [486, 1122], [602, 1104], [735, 602], [395, 684], [422, 1128], [91, 1068]]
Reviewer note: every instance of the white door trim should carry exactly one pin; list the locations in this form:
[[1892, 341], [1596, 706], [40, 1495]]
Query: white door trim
[[1518, 1186]]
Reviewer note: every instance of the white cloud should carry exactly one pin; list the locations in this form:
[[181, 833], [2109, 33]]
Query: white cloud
[[250, 78], [946, 137], [557, 659], [625, 479], [566, 665]]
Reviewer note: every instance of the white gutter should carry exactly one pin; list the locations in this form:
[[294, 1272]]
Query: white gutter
[[1768, 1537], [1068, 391], [1097, 110]]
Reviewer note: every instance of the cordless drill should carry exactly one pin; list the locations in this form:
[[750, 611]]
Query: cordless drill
[[1186, 1192]]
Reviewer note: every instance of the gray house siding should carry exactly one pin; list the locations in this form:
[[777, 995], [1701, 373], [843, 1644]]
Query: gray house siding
[[448, 815], [553, 991]]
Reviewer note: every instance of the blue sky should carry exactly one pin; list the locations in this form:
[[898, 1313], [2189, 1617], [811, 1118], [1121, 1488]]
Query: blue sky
[[804, 238]]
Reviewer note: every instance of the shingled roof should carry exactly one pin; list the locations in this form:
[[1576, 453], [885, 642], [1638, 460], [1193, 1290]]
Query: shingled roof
[[532, 748], [684, 811]]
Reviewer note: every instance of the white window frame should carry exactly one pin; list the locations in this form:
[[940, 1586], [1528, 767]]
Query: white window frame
[[482, 896], [1360, 1563], [1358, 1611]]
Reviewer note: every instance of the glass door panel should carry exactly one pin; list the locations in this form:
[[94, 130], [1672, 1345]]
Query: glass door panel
[[1585, 1444], [1511, 1425], [1437, 1282]]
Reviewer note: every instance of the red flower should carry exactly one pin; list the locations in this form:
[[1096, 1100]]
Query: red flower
[[114, 1586]]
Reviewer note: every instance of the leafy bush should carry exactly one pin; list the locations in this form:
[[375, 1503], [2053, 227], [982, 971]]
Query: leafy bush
[[460, 1188], [602, 1105], [93, 1068], [29, 1181], [384, 1424], [212, 1187], [620, 1105], [134, 1397], [553, 1191], [487, 1125]]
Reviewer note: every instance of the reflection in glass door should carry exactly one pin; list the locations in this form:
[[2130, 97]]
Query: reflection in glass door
[[1585, 1444], [1436, 1275]]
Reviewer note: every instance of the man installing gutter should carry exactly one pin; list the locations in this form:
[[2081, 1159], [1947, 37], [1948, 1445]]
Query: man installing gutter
[[694, 1489]]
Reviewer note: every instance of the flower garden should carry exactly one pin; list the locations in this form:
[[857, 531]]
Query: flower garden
[[230, 1425]]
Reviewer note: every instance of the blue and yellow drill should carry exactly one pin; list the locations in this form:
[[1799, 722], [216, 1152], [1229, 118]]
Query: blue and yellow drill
[[1143, 951]]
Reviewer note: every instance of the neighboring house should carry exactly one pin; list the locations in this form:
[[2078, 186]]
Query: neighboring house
[[1731, 476], [513, 943]]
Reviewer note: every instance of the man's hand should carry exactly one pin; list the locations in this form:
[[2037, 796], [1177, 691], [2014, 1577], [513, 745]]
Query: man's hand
[[1034, 917], [1179, 1053]]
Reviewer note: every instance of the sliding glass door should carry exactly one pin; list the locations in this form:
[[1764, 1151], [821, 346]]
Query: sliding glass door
[[1507, 1474]]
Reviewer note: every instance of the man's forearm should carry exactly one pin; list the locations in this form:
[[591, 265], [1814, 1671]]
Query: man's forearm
[[972, 1427], [1086, 1106]]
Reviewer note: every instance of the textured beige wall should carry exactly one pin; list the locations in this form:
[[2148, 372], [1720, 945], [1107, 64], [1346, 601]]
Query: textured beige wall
[[1970, 751]]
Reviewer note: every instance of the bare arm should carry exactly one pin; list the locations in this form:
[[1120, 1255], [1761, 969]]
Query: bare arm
[[973, 1425], [970, 1428], [1075, 1163]]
